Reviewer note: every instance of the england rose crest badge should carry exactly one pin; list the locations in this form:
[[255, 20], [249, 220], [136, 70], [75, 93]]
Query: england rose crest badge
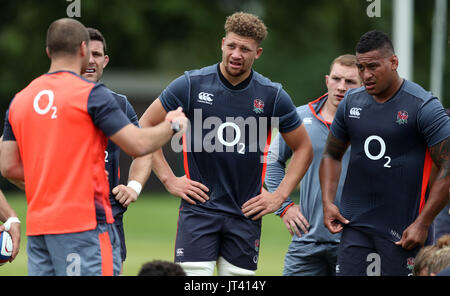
[[258, 106], [402, 117]]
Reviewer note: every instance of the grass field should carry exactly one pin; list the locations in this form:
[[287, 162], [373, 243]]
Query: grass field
[[150, 228]]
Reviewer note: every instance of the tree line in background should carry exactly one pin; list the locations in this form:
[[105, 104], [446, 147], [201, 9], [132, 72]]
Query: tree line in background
[[170, 36]]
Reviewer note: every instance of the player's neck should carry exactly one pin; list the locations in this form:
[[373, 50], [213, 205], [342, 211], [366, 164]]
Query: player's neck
[[65, 65], [390, 91], [328, 111]]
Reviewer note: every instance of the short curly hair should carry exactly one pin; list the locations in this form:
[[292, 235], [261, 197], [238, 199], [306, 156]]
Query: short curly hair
[[247, 25]]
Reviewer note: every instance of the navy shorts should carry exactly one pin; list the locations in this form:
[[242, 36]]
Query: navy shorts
[[361, 253], [204, 236]]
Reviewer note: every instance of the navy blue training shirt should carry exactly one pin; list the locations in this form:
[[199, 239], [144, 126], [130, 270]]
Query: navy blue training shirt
[[387, 177], [112, 156], [229, 133]]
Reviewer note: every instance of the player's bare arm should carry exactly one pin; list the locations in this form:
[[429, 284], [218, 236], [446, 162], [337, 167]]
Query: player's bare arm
[[302, 155], [140, 141], [187, 189], [416, 234], [182, 187], [11, 163], [6, 211], [139, 172], [329, 174], [18, 182]]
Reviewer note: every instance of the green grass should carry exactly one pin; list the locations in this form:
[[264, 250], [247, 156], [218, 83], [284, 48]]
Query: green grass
[[150, 229]]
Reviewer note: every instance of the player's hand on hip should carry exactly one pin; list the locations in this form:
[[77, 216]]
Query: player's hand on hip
[[332, 218], [293, 219], [413, 236], [124, 194], [262, 204], [187, 189]]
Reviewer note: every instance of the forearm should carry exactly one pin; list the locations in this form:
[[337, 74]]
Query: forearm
[[140, 169], [5, 209], [161, 168], [14, 173], [156, 137], [438, 198], [11, 165], [142, 141], [439, 193]]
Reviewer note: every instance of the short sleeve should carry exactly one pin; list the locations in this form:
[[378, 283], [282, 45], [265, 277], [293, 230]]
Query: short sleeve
[[278, 155], [105, 111], [8, 134], [433, 122], [131, 114], [286, 112], [176, 94], [338, 128]]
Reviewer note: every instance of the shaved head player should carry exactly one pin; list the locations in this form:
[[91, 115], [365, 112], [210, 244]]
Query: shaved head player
[[55, 136]]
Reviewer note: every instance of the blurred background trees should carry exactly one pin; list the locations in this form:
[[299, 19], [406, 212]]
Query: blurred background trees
[[152, 42]]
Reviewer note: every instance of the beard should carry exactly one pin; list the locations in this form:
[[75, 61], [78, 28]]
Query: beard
[[234, 73]]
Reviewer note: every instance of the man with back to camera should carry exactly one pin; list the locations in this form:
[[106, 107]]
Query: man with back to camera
[[313, 250], [224, 163], [120, 196], [396, 130], [55, 136]]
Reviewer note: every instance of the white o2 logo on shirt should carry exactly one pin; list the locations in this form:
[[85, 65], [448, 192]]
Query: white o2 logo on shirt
[[241, 148], [49, 106], [382, 150]]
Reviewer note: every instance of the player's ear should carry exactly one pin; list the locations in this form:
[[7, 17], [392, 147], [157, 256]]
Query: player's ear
[[394, 62], [259, 52], [48, 52], [84, 50], [106, 61], [327, 77], [223, 42]]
